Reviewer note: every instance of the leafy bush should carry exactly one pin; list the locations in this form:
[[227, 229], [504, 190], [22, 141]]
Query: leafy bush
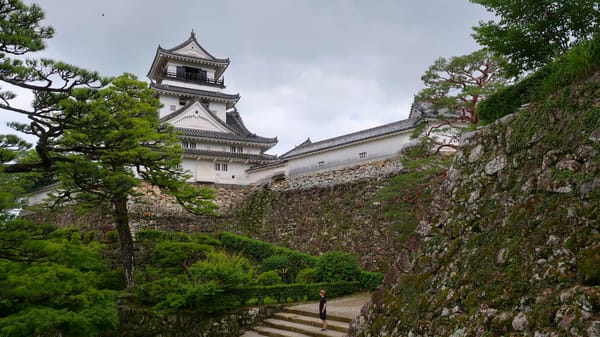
[[580, 61], [278, 263], [259, 251], [180, 255], [285, 293], [337, 266], [308, 275], [268, 278], [370, 280], [156, 236], [50, 283], [226, 271], [206, 240], [510, 99]]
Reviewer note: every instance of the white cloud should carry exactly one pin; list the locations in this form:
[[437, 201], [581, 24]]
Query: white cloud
[[308, 68]]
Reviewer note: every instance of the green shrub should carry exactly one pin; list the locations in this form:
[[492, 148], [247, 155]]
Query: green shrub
[[179, 255], [155, 292], [307, 275], [370, 280], [579, 62], [293, 292], [258, 251], [156, 236], [510, 99], [226, 271], [337, 266], [278, 263], [268, 278], [206, 239]]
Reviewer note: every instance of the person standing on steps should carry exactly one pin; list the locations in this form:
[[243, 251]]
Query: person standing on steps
[[323, 309]]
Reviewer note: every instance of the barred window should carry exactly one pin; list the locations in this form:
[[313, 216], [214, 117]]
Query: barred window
[[221, 167], [362, 155]]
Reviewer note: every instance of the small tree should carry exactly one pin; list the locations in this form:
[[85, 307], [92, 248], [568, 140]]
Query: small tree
[[52, 283], [459, 83], [113, 141], [100, 141], [530, 33]]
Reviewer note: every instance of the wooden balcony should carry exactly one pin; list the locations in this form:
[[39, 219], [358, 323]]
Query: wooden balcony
[[197, 78]]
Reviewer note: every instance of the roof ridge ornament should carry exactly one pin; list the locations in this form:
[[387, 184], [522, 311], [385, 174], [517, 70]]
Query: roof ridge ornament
[[193, 34]]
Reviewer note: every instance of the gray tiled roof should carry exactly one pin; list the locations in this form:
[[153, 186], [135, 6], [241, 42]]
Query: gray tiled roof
[[387, 129], [256, 158], [251, 138], [162, 54], [232, 98], [192, 38]]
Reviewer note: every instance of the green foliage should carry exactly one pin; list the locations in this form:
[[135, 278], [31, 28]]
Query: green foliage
[[307, 275], [337, 266], [294, 292], [579, 62], [508, 100], [224, 281], [153, 235], [225, 270], [531, 33], [461, 82], [370, 280], [269, 278], [260, 250], [279, 263], [50, 283], [180, 256]]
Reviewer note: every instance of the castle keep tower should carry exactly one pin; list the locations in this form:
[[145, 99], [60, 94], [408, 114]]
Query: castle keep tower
[[218, 148]]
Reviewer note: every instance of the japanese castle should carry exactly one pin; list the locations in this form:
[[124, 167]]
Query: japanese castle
[[219, 149]]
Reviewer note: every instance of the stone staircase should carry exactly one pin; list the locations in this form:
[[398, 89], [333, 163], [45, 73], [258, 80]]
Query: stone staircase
[[303, 320]]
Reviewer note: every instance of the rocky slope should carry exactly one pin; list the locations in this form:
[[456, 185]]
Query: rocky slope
[[511, 246]]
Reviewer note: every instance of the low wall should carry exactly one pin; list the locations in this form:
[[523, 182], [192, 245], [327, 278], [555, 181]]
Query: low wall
[[136, 322]]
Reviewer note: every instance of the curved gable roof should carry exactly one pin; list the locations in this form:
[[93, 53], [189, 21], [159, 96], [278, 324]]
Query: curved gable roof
[[233, 123], [162, 54]]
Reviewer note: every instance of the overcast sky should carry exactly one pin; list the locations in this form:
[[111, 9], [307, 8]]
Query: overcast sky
[[303, 68]]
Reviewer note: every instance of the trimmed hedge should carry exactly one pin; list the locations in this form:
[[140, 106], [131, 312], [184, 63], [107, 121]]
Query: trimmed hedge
[[175, 294], [286, 293], [260, 251]]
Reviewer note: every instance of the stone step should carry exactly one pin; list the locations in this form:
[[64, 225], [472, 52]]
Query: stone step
[[273, 332], [303, 329], [252, 333], [312, 321], [315, 313]]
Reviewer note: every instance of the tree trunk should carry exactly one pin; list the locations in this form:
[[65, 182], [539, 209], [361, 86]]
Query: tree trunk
[[125, 238]]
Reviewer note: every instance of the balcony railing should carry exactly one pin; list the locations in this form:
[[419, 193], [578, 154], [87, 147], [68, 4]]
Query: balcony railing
[[194, 78]]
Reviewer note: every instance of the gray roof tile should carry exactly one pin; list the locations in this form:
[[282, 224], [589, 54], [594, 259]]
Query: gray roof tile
[[308, 146], [256, 158]]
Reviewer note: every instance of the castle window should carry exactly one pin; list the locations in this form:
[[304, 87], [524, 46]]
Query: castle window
[[221, 167], [321, 163], [236, 149], [182, 101], [188, 145], [362, 155], [191, 74]]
